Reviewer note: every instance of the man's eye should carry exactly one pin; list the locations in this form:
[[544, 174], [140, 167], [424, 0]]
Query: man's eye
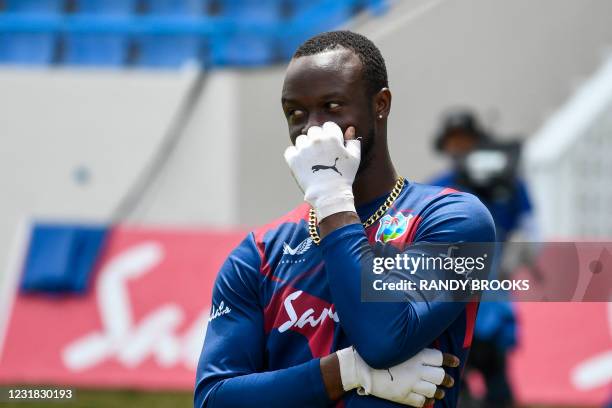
[[333, 105], [296, 114]]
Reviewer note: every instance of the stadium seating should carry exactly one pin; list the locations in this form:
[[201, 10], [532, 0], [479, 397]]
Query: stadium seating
[[314, 18], [174, 7], [242, 50], [165, 33], [26, 45], [34, 6], [267, 11], [106, 7], [96, 49], [253, 42], [169, 51], [376, 7], [27, 48], [102, 47]]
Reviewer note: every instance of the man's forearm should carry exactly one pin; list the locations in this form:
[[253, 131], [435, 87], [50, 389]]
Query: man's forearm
[[401, 328], [330, 371], [298, 386]]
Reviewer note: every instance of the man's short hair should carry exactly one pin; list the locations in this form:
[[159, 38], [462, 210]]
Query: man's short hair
[[374, 69]]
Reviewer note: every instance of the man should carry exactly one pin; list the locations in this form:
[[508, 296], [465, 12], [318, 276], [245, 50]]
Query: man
[[508, 201], [288, 327]]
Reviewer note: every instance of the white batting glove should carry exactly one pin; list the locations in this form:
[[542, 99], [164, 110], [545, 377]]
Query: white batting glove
[[408, 383], [324, 166]]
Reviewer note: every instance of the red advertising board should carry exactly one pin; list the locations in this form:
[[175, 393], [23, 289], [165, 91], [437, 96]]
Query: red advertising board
[[140, 325], [565, 353]]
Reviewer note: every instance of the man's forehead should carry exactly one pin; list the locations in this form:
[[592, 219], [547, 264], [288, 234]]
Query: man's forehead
[[338, 66], [326, 60]]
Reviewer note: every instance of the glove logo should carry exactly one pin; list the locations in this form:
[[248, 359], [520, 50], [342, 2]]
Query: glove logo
[[333, 167], [392, 227]]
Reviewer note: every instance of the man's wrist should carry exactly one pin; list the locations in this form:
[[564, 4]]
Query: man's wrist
[[335, 200], [324, 210], [338, 220], [330, 372]]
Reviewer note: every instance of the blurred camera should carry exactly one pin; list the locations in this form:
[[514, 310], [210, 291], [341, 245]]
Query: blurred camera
[[491, 170], [484, 166]]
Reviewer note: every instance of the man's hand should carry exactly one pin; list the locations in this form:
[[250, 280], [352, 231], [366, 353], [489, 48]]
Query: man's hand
[[324, 165], [413, 382]]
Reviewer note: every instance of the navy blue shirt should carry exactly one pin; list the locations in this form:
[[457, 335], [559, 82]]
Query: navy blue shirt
[[281, 302]]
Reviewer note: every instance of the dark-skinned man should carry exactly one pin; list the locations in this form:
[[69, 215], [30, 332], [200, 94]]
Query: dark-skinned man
[[288, 327]]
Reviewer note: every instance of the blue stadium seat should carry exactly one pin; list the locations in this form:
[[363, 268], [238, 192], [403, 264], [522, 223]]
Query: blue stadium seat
[[309, 9], [252, 10], [253, 44], [328, 14], [99, 48], [27, 48], [376, 7], [106, 7], [35, 6], [175, 7], [298, 7], [172, 50], [318, 17], [169, 51], [242, 50], [96, 49]]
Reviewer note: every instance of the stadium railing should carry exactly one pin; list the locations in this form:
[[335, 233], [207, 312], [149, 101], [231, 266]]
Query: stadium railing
[[568, 163]]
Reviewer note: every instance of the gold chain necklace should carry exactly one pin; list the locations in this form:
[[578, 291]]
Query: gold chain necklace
[[397, 189]]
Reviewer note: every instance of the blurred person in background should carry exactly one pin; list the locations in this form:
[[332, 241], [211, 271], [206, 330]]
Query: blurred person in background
[[488, 169]]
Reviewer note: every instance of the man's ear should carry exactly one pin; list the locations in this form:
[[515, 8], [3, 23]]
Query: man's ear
[[382, 103]]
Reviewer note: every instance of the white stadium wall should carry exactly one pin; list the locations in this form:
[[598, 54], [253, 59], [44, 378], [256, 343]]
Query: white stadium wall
[[75, 144], [197, 184]]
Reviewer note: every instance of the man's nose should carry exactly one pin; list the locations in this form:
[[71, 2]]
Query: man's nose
[[313, 120]]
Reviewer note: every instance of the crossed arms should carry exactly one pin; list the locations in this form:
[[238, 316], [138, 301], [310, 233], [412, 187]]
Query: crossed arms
[[232, 368]]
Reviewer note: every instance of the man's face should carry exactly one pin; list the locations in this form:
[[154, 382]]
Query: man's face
[[326, 87], [459, 143]]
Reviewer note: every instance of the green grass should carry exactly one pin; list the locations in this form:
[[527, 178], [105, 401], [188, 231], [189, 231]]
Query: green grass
[[113, 399], [124, 398]]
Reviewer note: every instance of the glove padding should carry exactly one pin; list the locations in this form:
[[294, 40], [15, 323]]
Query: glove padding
[[409, 383], [324, 166]]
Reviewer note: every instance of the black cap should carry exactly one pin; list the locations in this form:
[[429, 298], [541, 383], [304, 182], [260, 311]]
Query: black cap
[[463, 120]]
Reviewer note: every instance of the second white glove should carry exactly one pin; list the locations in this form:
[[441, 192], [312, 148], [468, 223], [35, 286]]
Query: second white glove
[[408, 383], [324, 166]]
